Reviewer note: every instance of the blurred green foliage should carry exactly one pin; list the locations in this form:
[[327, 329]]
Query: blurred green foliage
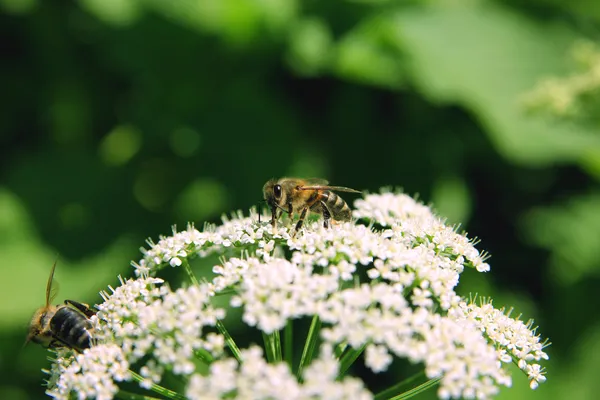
[[122, 118]]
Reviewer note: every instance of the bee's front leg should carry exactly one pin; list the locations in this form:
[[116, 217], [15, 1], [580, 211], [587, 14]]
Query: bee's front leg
[[273, 216]]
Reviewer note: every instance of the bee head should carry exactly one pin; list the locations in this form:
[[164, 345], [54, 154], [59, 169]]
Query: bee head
[[273, 193], [39, 328]]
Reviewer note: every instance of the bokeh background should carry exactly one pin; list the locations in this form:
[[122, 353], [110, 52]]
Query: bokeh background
[[122, 118]]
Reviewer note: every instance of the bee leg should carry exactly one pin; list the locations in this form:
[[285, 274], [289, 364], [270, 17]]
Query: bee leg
[[300, 221], [82, 307], [57, 343], [273, 217], [326, 215]]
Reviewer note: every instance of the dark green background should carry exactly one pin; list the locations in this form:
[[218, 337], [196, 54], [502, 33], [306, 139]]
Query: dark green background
[[122, 118]]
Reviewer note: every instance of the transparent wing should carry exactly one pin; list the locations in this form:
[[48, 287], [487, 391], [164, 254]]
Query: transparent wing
[[51, 286], [316, 182], [332, 188]]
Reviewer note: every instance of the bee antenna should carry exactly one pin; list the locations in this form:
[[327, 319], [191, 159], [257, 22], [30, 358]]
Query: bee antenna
[[27, 340]]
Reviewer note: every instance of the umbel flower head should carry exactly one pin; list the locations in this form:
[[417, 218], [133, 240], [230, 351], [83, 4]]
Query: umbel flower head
[[381, 286]]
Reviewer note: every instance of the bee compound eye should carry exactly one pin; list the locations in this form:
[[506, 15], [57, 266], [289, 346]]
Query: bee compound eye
[[277, 191]]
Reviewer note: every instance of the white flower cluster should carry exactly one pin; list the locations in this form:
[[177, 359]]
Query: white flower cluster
[[405, 306], [417, 224], [515, 340], [148, 320], [452, 350], [373, 315], [255, 379], [239, 231], [277, 291], [90, 375]]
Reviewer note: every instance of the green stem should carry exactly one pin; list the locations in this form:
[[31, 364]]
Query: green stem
[[288, 342], [157, 388], [339, 349], [228, 339], [226, 292], [309, 346], [230, 342], [188, 270], [348, 358], [204, 356], [124, 395], [277, 346], [402, 387], [272, 346], [418, 390]]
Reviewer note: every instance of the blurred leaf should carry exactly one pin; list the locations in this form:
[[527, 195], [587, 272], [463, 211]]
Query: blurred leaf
[[239, 22], [18, 6], [201, 200], [570, 232], [484, 57], [116, 12], [591, 162], [583, 11], [452, 200], [120, 145], [310, 46], [185, 141], [367, 55]]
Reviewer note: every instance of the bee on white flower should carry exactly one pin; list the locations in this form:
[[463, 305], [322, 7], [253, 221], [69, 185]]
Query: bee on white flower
[[384, 285]]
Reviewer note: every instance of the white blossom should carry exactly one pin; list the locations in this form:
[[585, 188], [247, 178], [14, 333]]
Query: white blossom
[[90, 375], [149, 320], [516, 341], [385, 284], [276, 291], [255, 379]]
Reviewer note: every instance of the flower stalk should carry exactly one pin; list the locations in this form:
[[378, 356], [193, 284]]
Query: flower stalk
[[309, 346], [288, 342], [169, 394], [348, 358]]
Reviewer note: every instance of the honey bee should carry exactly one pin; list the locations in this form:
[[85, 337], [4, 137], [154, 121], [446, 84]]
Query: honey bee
[[303, 195], [65, 325]]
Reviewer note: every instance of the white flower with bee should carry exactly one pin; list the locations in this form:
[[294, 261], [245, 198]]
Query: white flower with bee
[[382, 285]]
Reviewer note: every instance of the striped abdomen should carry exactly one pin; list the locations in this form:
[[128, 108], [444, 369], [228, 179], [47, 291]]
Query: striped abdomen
[[71, 328], [336, 205]]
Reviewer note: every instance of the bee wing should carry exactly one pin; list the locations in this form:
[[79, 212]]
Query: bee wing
[[315, 182], [332, 188], [51, 286]]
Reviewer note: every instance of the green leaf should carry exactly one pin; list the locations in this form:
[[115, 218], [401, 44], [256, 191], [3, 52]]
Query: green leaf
[[485, 57], [570, 232]]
